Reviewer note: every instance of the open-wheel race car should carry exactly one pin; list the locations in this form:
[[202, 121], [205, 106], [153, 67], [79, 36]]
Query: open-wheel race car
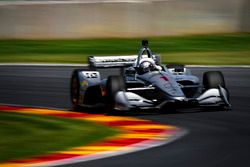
[[144, 83]]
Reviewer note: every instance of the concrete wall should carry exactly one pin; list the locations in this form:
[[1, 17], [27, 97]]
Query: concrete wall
[[123, 19]]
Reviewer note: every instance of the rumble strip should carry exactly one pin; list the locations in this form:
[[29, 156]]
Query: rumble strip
[[136, 134]]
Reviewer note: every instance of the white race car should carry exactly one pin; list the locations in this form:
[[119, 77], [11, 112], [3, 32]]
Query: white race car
[[144, 83]]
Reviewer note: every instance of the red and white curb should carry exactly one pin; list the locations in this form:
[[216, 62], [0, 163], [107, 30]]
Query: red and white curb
[[136, 134]]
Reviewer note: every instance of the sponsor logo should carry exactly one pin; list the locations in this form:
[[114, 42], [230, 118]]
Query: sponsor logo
[[90, 74], [85, 83]]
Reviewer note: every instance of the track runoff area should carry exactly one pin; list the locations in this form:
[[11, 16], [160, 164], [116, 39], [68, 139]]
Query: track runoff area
[[135, 135]]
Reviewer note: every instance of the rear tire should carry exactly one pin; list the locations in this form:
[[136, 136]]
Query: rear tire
[[75, 90], [114, 85]]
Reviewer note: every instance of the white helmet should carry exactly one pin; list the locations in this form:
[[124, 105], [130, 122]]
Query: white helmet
[[146, 65]]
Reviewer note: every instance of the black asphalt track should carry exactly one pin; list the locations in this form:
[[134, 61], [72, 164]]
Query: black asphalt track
[[215, 139]]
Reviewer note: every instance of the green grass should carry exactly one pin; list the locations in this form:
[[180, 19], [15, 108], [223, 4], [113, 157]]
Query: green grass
[[221, 49], [24, 135]]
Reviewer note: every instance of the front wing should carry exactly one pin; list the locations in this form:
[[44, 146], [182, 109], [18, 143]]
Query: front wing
[[212, 97]]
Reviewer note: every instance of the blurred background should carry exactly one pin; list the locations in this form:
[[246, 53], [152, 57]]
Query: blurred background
[[41, 19]]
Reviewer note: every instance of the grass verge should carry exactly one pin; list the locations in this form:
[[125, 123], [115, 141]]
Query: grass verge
[[25, 135], [232, 49]]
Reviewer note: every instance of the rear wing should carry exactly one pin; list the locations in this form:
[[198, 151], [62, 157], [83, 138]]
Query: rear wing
[[112, 61], [116, 61]]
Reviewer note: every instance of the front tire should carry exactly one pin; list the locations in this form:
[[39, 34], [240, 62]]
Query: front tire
[[213, 79], [114, 85]]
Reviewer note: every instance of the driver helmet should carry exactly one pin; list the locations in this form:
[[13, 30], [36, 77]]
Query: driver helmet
[[146, 65]]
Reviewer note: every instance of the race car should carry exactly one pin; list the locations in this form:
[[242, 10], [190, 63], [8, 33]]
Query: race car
[[144, 83]]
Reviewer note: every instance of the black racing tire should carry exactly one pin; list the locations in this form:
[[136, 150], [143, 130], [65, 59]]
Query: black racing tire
[[75, 90], [212, 79], [113, 85]]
